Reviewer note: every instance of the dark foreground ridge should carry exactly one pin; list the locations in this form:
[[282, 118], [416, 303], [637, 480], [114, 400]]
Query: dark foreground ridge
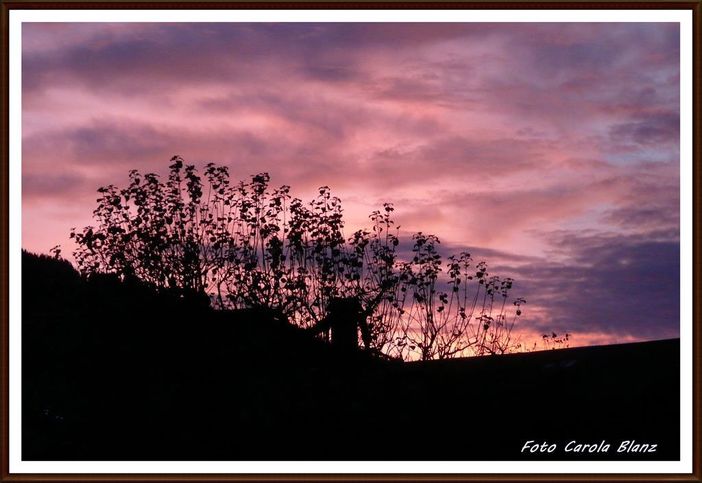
[[112, 371]]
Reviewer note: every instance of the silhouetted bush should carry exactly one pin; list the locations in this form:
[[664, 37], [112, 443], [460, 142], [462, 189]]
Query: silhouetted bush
[[247, 245]]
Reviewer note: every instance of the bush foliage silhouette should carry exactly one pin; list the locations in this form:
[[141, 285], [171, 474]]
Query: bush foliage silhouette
[[249, 245]]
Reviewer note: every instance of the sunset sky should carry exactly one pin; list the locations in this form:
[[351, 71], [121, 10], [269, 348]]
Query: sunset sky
[[551, 151]]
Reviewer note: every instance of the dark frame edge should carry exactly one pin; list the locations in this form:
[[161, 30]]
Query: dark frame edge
[[354, 4], [355, 477], [694, 6], [696, 248], [4, 238]]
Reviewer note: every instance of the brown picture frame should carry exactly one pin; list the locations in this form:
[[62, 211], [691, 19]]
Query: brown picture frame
[[9, 6]]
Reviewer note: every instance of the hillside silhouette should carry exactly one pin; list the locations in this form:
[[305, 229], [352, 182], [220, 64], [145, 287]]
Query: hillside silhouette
[[114, 370]]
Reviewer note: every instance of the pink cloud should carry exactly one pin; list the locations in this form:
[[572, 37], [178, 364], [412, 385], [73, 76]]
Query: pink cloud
[[489, 135]]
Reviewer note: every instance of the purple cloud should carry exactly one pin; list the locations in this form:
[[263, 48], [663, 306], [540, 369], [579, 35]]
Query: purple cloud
[[496, 136]]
